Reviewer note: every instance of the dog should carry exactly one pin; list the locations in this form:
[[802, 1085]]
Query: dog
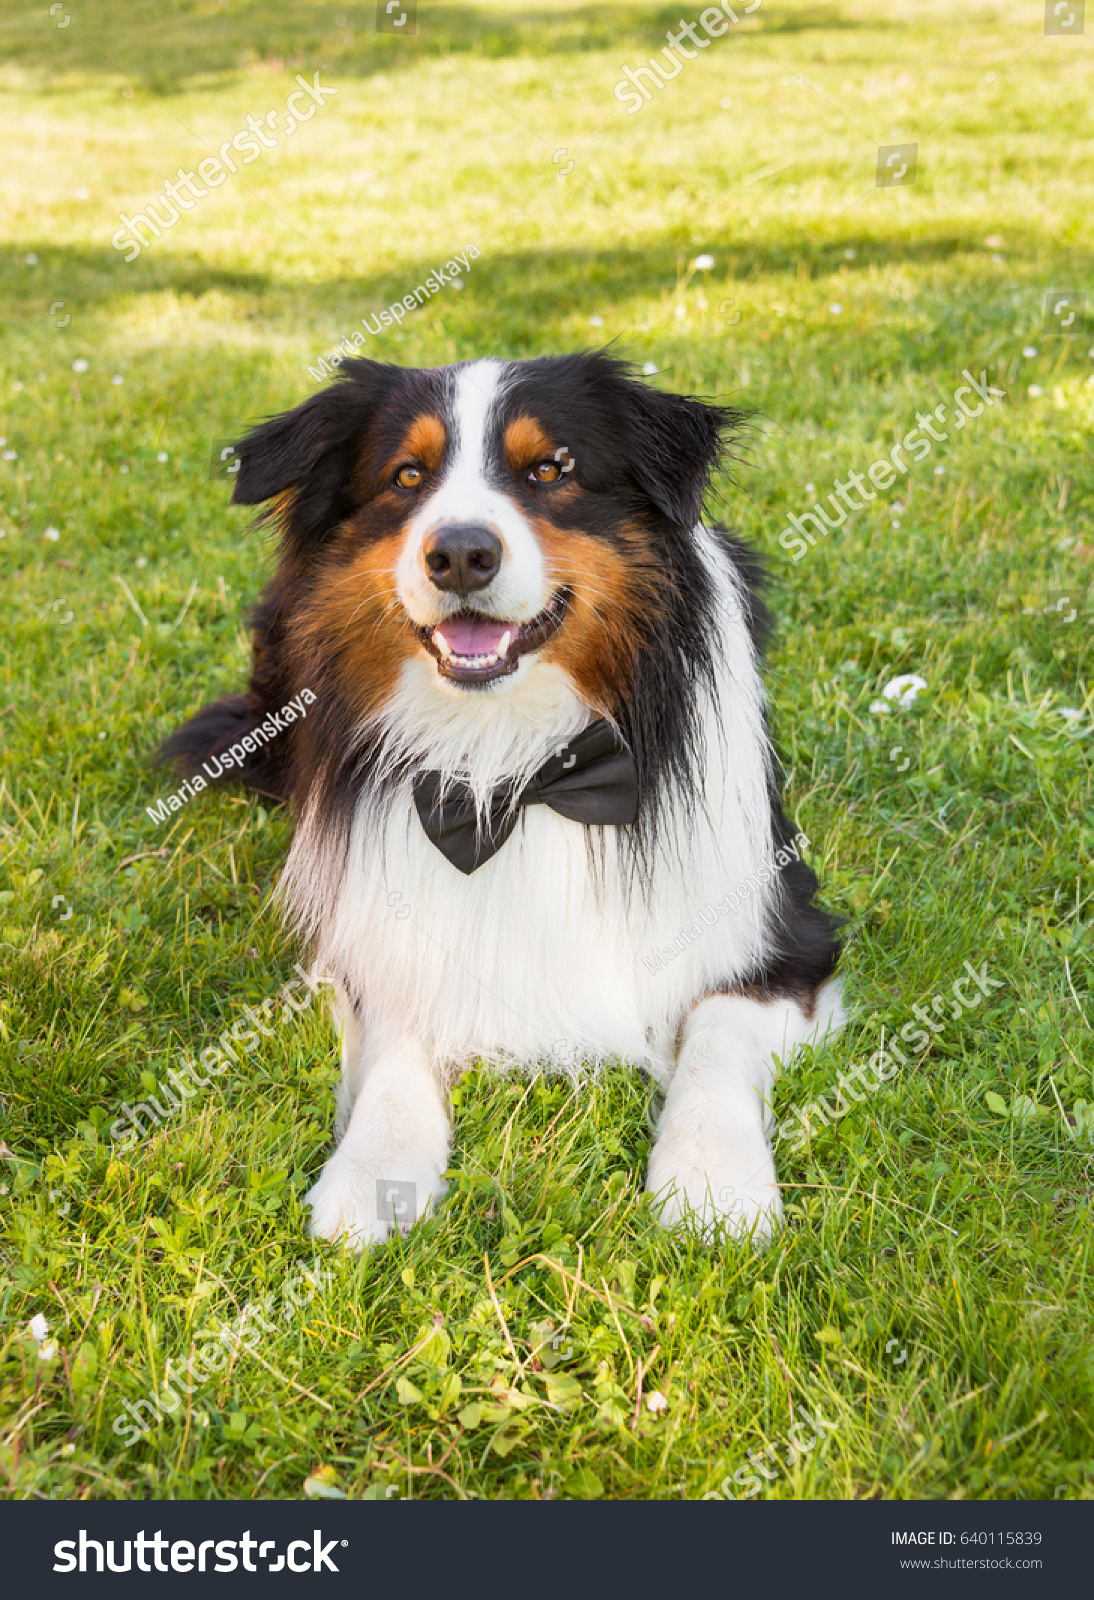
[[530, 757]]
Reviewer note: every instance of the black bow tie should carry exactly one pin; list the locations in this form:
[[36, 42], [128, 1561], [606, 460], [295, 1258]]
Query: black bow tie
[[591, 779]]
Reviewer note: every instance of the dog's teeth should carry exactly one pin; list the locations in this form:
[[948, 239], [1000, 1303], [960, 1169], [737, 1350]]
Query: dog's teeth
[[502, 646], [441, 643]]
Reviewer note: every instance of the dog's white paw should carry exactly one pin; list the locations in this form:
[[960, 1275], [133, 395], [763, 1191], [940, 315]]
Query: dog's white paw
[[351, 1203], [735, 1197]]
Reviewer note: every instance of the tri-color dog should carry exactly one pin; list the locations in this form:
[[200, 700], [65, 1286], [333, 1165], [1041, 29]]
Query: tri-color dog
[[538, 745]]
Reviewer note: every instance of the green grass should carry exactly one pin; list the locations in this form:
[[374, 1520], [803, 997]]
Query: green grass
[[950, 1212]]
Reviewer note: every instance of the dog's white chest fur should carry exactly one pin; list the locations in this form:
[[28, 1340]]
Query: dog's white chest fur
[[535, 956], [538, 955]]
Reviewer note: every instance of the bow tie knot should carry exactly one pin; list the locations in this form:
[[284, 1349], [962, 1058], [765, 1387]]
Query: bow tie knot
[[592, 779]]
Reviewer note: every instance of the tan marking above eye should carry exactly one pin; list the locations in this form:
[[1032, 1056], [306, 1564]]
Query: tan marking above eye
[[410, 476], [546, 472], [422, 445], [526, 442], [425, 442]]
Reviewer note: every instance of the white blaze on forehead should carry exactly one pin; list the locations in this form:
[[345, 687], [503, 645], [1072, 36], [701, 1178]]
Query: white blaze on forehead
[[477, 388], [467, 494]]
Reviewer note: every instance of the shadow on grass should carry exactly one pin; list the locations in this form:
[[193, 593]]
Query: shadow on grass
[[521, 303], [162, 53], [516, 283]]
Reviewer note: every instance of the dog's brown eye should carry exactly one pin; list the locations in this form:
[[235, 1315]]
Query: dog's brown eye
[[546, 472], [409, 477]]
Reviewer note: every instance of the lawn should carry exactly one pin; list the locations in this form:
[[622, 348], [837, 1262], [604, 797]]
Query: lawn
[[931, 1296]]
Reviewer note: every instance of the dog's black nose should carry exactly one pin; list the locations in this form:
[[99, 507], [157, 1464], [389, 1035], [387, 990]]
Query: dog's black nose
[[462, 557]]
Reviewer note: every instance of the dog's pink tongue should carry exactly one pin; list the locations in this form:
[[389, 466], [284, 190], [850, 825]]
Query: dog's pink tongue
[[474, 636]]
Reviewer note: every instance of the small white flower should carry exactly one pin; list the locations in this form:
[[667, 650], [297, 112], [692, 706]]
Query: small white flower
[[656, 1402], [596, 322], [11, 455], [47, 1351], [1070, 713], [849, 255], [810, 488], [102, 736], [80, 364], [142, 561], [123, 467], [31, 259], [835, 308], [52, 533], [1035, 391], [17, 385], [895, 522], [938, 471], [880, 708], [904, 688], [1029, 350], [649, 368], [898, 507], [703, 263], [999, 260], [161, 455], [457, 283], [68, 1449], [117, 378], [39, 1327]]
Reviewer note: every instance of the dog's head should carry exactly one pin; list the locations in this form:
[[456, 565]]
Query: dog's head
[[483, 525]]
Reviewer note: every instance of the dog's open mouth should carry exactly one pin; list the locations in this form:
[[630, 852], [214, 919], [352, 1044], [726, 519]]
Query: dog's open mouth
[[471, 648]]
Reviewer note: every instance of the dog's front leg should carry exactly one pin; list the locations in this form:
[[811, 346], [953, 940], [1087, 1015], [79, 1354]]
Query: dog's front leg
[[712, 1160], [387, 1169]]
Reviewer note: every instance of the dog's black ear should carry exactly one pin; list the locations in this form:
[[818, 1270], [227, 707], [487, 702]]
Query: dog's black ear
[[675, 444], [278, 453], [672, 444], [312, 449]]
